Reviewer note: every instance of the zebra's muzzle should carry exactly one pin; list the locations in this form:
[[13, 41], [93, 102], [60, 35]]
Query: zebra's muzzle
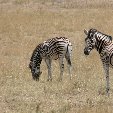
[[36, 76], [86, 52]]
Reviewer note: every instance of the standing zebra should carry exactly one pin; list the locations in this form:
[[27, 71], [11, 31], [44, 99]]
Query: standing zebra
[[55, 48], [103, 44]]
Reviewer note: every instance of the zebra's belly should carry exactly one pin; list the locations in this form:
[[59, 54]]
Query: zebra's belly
[[53, 57]]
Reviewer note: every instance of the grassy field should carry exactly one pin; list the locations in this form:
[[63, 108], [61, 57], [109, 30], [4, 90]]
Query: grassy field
[[26, 23]]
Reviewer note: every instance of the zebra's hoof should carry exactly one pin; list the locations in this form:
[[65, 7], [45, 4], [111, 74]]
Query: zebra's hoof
[[59, 79], [50, 79], [107, 91], [70, 78]]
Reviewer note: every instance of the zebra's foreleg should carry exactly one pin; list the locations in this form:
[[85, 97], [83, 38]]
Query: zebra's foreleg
[[106, 69], [61, 63], [48, 63]]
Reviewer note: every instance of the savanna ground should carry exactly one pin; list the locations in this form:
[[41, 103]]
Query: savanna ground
[[26, 23]]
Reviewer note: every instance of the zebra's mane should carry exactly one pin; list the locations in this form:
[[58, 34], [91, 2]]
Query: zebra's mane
[[108, 36], [93, 31], [56, 39], [36, 50]]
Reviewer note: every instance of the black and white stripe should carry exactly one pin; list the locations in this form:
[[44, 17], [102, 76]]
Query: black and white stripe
[[103, 44], [55, 48]]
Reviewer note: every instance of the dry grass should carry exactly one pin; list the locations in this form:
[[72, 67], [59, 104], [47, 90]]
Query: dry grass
[[24, 24]]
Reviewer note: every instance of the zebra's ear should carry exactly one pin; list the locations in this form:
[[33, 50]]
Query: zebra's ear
[[110, 38], [85, 31]]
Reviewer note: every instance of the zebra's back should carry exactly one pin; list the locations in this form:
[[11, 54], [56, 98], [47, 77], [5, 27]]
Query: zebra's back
[[55, 47]]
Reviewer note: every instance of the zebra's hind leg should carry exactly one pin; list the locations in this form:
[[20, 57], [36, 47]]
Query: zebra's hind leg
[[106, 68], [69, 66], [48, 63], [61, 63]]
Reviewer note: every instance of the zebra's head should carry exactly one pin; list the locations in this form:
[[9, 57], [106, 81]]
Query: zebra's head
[[89, 41], [35, 71]]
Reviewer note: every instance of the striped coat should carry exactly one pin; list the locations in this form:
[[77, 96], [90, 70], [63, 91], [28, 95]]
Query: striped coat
[[52, 49]]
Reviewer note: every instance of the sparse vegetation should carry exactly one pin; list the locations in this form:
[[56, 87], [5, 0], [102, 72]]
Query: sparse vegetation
[[20, 2], [22, 27]]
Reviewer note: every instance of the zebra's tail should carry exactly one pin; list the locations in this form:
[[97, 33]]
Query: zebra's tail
[[68, 53]]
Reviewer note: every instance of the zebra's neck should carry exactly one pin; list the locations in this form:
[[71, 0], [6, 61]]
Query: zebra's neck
[[101, 42], [36, 58]]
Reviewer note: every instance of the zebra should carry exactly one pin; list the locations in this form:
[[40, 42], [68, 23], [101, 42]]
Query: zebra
[[103, 44], [52, 49]]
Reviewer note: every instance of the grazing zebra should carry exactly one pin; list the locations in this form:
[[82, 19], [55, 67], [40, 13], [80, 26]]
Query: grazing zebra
[[103, 44], [55, 48]]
